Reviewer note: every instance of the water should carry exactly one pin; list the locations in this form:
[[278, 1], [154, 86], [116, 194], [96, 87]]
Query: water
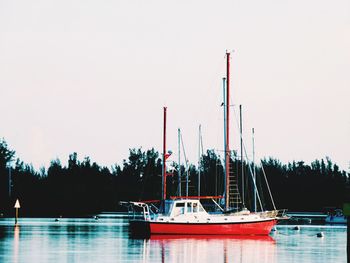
[[107, 240]]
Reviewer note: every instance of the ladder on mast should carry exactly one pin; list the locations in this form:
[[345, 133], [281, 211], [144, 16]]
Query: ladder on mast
[[234, 195]]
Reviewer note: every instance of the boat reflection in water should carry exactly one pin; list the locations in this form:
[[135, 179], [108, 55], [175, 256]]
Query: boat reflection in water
[[175, 248]]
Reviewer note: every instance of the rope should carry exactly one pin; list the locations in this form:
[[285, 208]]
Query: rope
[[249, 164], [186, 163], [250, 169], [268, 187]]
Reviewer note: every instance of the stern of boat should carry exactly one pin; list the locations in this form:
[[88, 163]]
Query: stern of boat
[[139, 228]]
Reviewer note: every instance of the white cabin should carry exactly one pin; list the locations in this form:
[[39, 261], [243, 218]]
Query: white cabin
[[182, 210]]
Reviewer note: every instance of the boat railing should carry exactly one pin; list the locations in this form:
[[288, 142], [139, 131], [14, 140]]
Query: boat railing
[[282, 214], [268, 214], [278, 214], [145, 209]]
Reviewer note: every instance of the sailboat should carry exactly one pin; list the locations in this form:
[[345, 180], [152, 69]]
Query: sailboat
[[185, 215]]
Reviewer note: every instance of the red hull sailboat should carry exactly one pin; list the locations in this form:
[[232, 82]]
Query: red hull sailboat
[[186, 215]]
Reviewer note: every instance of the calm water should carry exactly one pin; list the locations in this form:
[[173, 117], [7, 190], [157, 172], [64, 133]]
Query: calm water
[[107, 240]]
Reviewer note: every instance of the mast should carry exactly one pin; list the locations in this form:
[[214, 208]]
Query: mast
[[254, 174], [199, 161], [187, 178], [224, 105], [200, 154], [164, 156], [186, 163], [179, 172], [227, 146], [242, 165]]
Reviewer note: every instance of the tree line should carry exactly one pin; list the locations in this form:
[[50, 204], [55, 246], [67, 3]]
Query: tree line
[[83, 187]]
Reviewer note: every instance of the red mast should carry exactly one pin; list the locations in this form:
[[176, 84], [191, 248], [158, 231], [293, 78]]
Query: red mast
[[164, 155], [227, 146]]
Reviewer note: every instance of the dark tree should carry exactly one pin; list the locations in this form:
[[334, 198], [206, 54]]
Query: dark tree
[[6, 157], [83, 187]]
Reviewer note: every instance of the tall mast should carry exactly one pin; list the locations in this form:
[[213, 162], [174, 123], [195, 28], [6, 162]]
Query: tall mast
[[199, 161], [187, 178], [227, 146], [254, 174], [242, 165], [179, 172], [186, 164], [224, 106], [164, 156]]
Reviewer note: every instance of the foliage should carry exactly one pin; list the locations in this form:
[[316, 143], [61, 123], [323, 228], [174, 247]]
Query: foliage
[[84, 187], [6, 157]]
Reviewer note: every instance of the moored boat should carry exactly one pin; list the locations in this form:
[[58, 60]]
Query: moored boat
[[186, 215]]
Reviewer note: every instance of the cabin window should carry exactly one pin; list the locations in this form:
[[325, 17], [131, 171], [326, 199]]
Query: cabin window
[[195, 208], [189, 207], [179, 208]]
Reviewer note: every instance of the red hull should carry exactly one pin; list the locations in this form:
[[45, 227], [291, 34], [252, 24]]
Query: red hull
[[251, 228]]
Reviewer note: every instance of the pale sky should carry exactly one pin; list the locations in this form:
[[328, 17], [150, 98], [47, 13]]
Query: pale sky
[[93, 76]]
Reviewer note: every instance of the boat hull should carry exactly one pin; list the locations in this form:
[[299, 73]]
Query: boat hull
[[170, 228]]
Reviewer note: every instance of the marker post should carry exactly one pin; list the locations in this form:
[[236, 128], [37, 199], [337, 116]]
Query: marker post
[[17, 206]]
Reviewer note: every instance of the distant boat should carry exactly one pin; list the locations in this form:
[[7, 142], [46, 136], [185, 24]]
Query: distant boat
[[185, 215], [336, 217]]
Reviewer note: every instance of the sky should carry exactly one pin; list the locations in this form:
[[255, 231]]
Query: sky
[[92, 77]]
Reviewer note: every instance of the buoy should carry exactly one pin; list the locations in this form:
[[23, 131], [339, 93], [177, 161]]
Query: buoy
[[296, 228], [320, 234]]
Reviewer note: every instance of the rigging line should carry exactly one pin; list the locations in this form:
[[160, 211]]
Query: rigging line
[[250, 169], [253, 179], [200, 155], [222, 210], [268, 187], [186, 163], [251, 173], [248, 163], [216, 178]]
